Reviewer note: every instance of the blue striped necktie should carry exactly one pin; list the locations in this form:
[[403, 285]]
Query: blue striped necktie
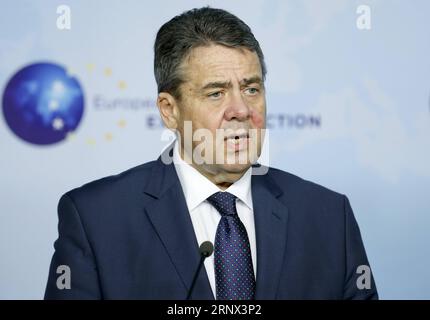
[[234, 273]]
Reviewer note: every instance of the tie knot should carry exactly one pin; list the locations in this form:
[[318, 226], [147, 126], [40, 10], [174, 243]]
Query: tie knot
[[224, 202]]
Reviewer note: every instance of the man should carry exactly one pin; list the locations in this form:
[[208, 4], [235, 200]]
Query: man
[[136, 235]]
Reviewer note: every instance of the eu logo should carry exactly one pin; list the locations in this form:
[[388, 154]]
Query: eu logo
[[42, 104]]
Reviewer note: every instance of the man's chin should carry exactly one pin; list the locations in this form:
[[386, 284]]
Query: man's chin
[[235, 167]]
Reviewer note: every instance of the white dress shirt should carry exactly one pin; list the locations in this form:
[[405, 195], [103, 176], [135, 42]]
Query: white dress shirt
[[205, 218]]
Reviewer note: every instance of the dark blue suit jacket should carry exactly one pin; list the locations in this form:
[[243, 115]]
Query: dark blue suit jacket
[[130, 236]]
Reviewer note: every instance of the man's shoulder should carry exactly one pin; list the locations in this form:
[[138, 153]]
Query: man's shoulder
[[296, 186], [129, 181]]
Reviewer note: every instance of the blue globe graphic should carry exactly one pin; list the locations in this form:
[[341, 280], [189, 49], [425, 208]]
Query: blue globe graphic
[[42, 103]]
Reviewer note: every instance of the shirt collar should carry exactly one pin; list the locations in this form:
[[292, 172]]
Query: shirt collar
[[197, 188]]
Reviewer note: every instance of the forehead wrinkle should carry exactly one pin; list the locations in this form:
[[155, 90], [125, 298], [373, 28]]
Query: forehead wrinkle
[[203, 69]]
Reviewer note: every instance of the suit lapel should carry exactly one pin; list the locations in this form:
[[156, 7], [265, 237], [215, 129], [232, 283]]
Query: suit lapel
[[171, 220], [271, 217]]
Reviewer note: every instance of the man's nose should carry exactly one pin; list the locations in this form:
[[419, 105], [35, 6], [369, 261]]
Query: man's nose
[[237, 109]]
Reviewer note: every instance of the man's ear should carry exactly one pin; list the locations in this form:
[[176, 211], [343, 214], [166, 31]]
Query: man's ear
[[169, 110]]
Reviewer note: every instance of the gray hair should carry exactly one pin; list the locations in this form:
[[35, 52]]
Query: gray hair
[[194, 28]]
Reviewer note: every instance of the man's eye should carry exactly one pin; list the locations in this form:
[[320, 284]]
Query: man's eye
[[215, 95], [252, 91]]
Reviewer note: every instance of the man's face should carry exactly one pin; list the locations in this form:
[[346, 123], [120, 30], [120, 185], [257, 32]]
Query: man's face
[[224, 89]]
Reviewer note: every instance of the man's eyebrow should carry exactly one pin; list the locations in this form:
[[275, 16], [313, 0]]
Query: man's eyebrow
[[253, 79], [217, 84], [227, 84]]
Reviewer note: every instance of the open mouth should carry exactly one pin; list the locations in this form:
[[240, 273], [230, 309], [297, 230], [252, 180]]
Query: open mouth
[[237, 142]]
